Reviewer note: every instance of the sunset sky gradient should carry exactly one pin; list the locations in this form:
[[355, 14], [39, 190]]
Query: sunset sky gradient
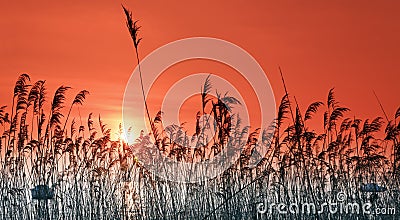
[[350, 45]]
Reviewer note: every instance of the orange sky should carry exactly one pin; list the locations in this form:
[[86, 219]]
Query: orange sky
[[350, 45]]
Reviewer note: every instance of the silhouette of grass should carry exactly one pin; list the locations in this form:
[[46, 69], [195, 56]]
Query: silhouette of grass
[[86, 175]]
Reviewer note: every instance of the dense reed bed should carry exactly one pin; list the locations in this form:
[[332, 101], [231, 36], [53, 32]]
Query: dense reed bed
[[55, 166], [94, 177]]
